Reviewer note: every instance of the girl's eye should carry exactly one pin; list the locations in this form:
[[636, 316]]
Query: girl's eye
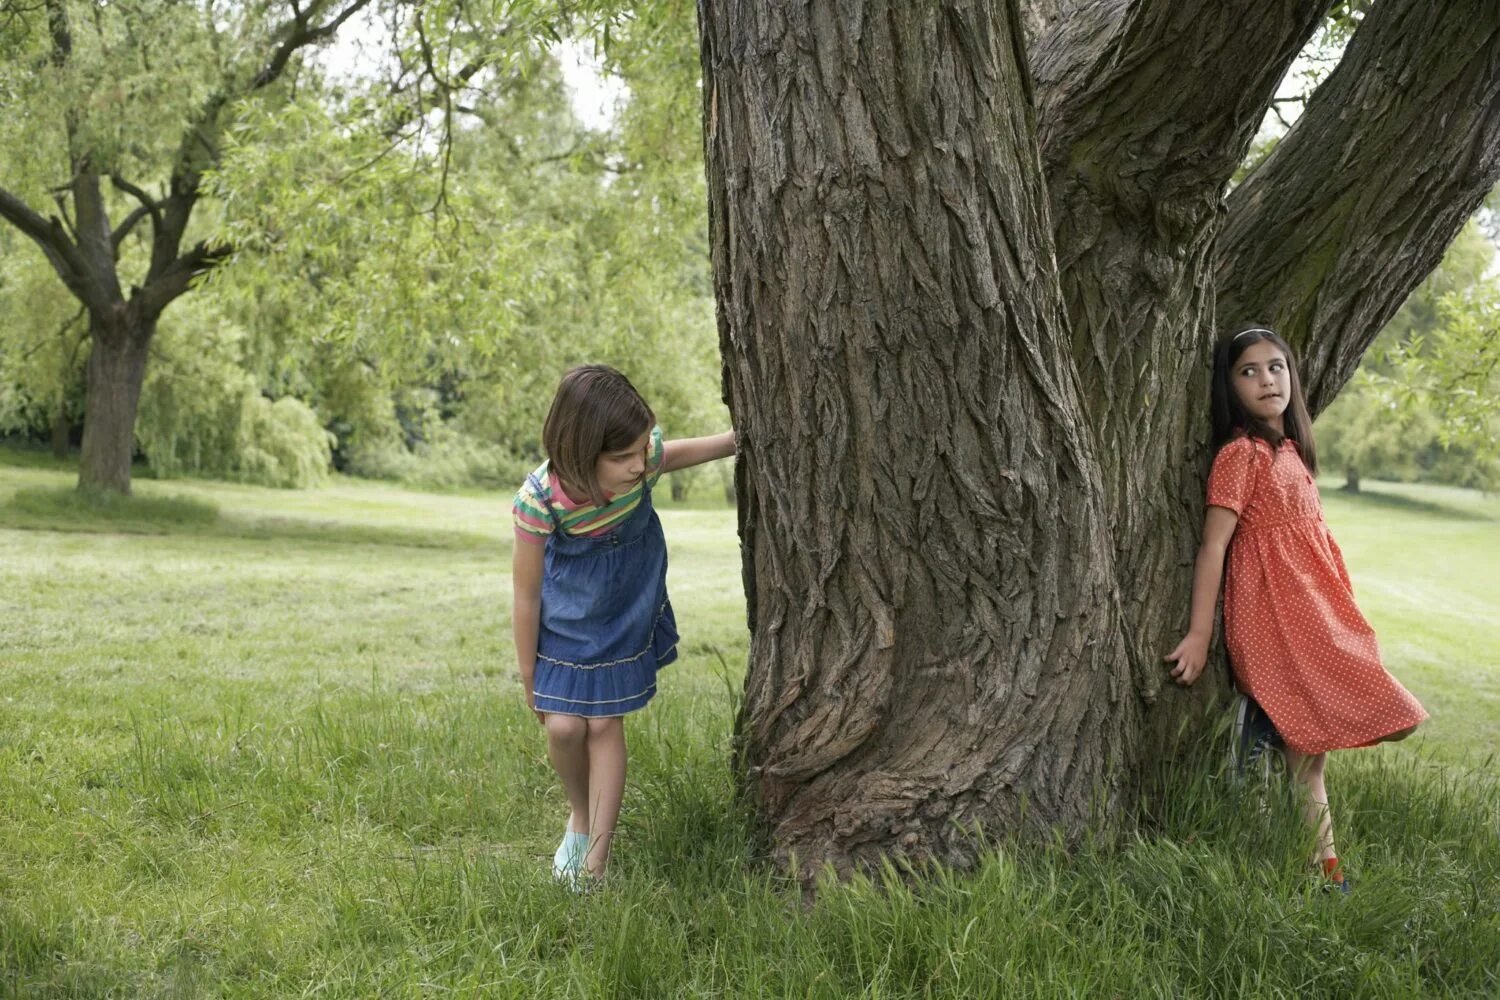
[[1276, 366]]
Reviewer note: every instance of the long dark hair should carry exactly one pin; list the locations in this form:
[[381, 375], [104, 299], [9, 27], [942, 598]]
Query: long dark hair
[[1230, 417], [596, 410]]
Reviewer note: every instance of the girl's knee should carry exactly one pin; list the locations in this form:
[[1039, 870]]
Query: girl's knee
[[565, 728], [605, 727]]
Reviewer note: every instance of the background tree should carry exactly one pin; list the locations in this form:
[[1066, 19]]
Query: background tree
[[1423, 404], [966, 288], [103, 108], [119, 114]]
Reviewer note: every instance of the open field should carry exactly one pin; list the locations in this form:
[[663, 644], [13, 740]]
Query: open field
[[265, 743]]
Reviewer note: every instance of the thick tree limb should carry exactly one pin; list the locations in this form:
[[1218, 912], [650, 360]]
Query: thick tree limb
[[52, 238], [1146, 110], [1397, 148], [178, 277], [94, 242]]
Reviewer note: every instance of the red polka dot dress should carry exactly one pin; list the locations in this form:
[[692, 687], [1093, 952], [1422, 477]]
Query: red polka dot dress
[[1297, 642]]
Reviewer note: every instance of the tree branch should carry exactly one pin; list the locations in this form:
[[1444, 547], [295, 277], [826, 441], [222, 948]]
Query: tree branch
[[1355, 206], [299, 33], [177, 278], [53, 240], [149, 206]]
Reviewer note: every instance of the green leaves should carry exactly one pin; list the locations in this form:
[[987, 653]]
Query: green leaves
[[1426, 401]]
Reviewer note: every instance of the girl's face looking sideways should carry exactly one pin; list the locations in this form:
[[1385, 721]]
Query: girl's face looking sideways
[[619, 471], [1262, 380]]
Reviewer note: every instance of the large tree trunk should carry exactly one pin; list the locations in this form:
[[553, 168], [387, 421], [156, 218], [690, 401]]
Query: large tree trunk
[[966, 321], [1136, 165], [116, 370], [935, 634]]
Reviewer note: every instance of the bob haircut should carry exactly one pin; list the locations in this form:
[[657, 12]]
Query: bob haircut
[[596, 410], [1230, 417]]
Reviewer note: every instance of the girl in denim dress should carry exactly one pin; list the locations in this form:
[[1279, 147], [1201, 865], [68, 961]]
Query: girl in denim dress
[[592, 619]]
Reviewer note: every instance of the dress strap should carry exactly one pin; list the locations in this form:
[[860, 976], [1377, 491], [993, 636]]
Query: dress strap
[[546, 499]]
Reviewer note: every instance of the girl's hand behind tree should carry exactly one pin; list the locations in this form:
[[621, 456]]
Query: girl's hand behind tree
[[1190, 655]]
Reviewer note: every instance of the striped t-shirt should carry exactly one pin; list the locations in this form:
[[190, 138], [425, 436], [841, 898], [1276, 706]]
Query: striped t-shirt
[[534, 523]]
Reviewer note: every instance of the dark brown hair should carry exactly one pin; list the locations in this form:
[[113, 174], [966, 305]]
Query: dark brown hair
[[1230, 416], [596, 410]]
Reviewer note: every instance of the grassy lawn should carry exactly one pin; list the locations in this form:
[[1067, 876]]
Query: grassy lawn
[[266, 743], [1425, 561]]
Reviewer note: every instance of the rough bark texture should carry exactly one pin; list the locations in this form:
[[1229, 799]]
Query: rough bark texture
[[115, 373], [966, 316], [1137, 163], [1355, 206], [931, 590]]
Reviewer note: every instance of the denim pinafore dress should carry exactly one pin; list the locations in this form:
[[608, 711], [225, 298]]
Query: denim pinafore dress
[[606, 622]]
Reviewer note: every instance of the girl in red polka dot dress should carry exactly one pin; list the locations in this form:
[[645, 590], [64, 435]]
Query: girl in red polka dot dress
[[1298, 645]]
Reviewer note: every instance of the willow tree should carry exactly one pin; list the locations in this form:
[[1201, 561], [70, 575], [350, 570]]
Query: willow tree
[[969, 258], [117, 117]]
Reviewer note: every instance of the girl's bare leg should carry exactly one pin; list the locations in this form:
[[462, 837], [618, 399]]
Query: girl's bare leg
[[606, 764], [1307, 771], [567, 748]]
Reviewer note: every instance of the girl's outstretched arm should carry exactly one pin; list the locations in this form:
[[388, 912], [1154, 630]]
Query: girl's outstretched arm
[[526, 612], [689, 452], [1208, 572]]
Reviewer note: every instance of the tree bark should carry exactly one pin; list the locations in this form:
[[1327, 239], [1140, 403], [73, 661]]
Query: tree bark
[[935, 638], [965, 316], [115, 373], [1137, 161], [1355, 206]]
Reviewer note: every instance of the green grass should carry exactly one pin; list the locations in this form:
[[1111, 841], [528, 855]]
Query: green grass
[[1425, 561], [265, 743]]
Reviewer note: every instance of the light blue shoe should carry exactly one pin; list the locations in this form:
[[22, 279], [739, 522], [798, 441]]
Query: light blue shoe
[[568, 861]]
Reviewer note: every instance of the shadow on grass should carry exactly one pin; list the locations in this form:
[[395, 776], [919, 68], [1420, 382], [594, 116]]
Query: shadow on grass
[[1377, 500], [66, 509]]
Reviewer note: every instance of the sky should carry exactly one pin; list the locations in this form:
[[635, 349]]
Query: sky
[[362, 44]]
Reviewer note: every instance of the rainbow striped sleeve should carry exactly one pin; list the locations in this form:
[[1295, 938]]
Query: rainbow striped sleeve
[[530, 515]]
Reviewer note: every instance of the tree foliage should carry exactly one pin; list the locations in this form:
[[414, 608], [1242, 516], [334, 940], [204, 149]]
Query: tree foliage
[[1425, 403], [417, 250]]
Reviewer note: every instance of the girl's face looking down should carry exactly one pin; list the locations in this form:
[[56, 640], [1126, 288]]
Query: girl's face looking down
[[1263, 382], [619, 471]]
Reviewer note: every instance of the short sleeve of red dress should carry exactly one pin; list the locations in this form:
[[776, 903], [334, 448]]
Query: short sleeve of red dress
[[1232, 478]]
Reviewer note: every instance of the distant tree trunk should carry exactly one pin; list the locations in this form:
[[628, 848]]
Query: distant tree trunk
[[679, 488], [116, 371], [1351, 479], [965, 315]]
